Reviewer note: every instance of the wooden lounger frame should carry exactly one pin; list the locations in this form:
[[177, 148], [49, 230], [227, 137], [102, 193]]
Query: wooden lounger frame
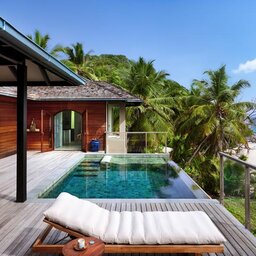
[[39, 246]]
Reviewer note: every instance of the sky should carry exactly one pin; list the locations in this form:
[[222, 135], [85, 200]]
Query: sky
[[184, 37]]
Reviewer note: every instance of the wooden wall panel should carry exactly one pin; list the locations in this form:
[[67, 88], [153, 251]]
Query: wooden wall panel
[[7, 126], [34, 138], [96, 126], [96, 120]]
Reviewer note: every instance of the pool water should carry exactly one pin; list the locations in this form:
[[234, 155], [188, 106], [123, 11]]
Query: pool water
[[123, 177]]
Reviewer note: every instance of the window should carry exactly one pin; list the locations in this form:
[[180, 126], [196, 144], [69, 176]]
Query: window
[[113, 119]]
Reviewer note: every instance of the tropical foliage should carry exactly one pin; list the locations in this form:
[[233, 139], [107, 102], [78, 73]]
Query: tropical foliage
[[42, 40], [236, 207], [77, 60], [199, 122], [111, 68], [211, 121], [157, 111]]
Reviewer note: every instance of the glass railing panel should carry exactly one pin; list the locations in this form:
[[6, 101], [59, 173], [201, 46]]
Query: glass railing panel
[[136, 143], [234, 189], [156, 142], [253, 200]]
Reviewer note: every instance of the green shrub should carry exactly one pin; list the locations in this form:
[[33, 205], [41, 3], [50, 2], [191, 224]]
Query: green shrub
[[243, 157]]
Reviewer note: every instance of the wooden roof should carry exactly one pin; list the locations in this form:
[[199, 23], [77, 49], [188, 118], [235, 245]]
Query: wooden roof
[[91, 91]]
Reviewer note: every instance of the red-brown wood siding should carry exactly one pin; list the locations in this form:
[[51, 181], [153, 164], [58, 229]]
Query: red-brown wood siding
[[7, 126], [96, 126]]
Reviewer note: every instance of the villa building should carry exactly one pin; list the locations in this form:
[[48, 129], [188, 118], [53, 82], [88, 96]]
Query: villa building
[[67, 117]]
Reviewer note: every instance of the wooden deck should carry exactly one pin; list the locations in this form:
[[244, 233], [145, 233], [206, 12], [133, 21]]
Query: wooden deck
[[21, 223]]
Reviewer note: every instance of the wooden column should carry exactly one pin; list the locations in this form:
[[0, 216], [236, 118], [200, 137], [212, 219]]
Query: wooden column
[[122, 127], [42, 130], [21, 185], [85, 131]]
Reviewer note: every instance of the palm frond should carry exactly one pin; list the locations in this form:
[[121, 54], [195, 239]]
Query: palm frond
[[241, 84]]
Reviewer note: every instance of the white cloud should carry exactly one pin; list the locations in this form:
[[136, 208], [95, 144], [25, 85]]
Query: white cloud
[[247, 67]]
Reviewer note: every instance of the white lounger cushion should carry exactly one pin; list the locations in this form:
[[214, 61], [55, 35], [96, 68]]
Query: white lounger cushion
[[133, 227]]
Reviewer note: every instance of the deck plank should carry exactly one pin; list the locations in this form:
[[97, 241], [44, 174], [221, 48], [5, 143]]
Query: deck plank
[[238, 237], [20, 224], [231, 244]]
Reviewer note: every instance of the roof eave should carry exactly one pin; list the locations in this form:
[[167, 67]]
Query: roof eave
[[34, 52], [128, 101], [135, 102]]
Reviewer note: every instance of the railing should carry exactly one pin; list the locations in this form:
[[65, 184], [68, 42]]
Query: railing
[[136, 142], [247, 184]]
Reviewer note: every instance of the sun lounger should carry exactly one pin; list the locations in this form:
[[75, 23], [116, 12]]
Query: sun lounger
[[132, 232]]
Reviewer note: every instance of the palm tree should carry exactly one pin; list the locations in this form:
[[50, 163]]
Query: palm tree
[[212, 121], [40, 39], [77, 60], [218, 120], [155, 114]]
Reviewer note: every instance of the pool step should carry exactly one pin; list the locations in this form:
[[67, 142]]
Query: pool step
[[89, 164], [86, 174], [88, 168], [106, 159]]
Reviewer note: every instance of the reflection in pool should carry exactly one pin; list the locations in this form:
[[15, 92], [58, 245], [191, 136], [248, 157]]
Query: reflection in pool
[[124, 177]]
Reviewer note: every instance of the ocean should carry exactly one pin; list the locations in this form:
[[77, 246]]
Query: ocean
[[254, 128]]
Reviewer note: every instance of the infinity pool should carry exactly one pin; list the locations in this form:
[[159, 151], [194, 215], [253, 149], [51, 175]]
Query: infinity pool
[[125, 177]]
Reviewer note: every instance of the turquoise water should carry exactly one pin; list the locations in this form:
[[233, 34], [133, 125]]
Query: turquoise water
[[122, 178]]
